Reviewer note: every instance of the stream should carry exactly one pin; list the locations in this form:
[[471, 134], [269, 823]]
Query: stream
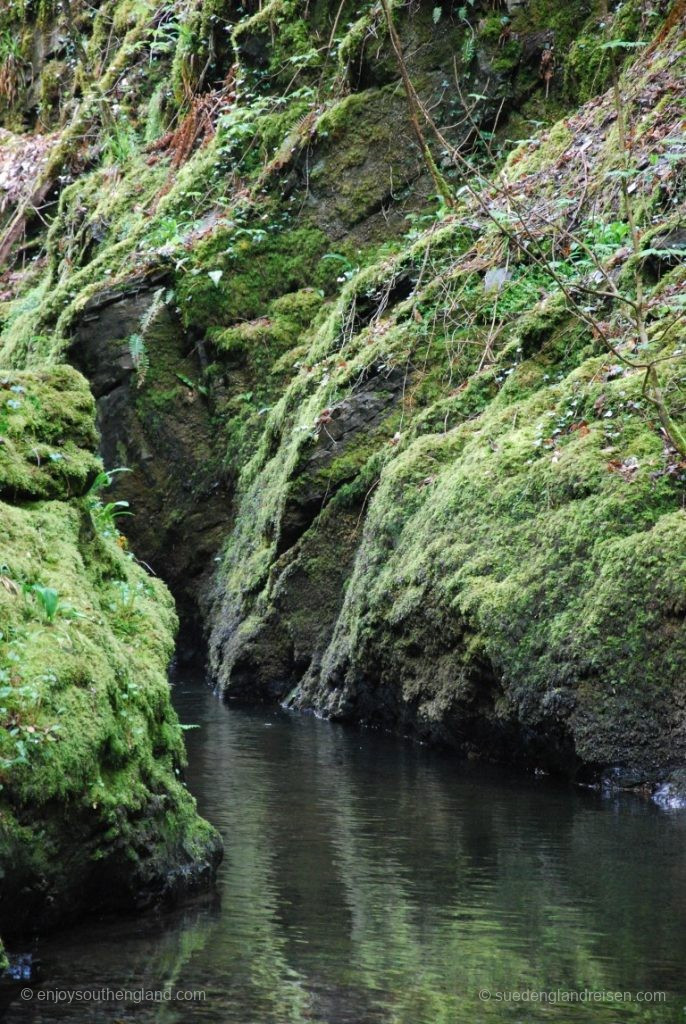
[[367, 880]]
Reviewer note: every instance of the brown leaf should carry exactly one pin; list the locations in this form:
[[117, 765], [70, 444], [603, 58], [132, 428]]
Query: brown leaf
[[9, 585], [599, 404]]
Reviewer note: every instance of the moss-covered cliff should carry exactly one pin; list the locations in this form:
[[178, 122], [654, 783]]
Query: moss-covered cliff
[[403, 456]]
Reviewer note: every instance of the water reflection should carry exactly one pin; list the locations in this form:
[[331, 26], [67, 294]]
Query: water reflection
[[372, 882]]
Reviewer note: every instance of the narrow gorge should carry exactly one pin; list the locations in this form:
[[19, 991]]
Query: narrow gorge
[[351, 337]]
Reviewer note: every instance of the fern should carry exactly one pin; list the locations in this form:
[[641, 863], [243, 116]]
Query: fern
[[139, 358], [468, 50], [137, 348], [151, 312]]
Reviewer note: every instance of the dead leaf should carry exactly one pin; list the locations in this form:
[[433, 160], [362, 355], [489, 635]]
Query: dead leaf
[[9, 585]]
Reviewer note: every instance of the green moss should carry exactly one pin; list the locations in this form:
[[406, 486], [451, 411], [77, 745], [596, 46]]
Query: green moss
[[533, 156], [259, 357], [360, 158], [90, 750], [270, 336], [588, 69], [563, 19], [257, 266], [525, 529], [261, 235], [88, 723], [276, 47], [47, 434], [196, 46], [504, 49], [352, 43], [498, 504], [52, 82]]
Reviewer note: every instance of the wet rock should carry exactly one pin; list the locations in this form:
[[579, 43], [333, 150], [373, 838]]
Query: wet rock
[[667, 250], [338, 428], [671, 794], [23, 969], [363, 410], [620, 777], [159, 426]]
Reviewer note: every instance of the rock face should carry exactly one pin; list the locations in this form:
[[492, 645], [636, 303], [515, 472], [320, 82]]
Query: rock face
[[491, 555], [154, 419], [93, 814], [404, 457], [265, 656]]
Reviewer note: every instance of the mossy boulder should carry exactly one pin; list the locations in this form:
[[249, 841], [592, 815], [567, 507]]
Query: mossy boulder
[[93, 811], [47, 434], [520, 591]]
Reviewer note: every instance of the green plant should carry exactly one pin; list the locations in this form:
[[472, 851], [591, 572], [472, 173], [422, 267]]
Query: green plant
[[137, 349], [469, 44], [166, 231], [48, 600], [105, 514], [104, 479], [10, 67], [347, 271], [120, 144], [139, 358], [191, 385]]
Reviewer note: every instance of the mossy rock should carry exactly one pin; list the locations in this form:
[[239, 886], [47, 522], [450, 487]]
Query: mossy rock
[[524, 478], [93, 812], [47, 434]]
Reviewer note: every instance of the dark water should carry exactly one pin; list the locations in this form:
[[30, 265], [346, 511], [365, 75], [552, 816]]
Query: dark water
[[373, 882]]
